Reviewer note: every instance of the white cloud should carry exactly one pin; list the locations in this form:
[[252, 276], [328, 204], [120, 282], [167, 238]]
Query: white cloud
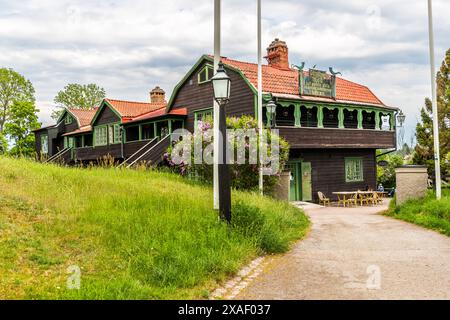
[[128, 47]]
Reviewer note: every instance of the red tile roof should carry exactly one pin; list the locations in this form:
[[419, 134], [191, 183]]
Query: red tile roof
[[131, 109], [81, 130], [286, 82], [84, 116], [159, 113]]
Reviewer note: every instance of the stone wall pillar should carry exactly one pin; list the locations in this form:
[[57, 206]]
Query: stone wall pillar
[[282, 188], [412, 182]]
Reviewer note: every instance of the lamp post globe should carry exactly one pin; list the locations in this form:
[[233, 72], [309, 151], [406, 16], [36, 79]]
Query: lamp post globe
[[271, 108], [221, 85], [401, 118]]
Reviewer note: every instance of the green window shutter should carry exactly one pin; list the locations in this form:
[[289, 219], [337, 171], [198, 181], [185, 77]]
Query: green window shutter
[[66, 144], [354, 170]]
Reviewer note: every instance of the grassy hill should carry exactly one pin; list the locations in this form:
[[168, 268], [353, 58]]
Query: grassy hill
[[133, 234], [427, 212]]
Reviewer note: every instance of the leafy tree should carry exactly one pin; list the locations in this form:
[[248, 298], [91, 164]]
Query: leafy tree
[[13, 87], [22, 120], [3, 144], [386, 175], [424, 151], [78, 96]]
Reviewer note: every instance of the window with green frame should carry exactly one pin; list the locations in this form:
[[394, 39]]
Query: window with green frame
[[101, 136], [354, 170], [114, 134], [69, 119], [68, 142], [44, 144], [205, 74], [201, 115]]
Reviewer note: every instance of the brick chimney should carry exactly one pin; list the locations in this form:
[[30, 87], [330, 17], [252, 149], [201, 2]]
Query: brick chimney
[[157, 95], [278, 54]]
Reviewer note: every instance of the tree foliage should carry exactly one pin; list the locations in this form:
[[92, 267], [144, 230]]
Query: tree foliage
[[3, 144], [22, 120], [79, 97], [424, 151], [13, 88], [386, 175]]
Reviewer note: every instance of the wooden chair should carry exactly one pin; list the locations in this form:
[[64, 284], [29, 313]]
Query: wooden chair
[[372, 198], [377, 199], [353, 200], [363, 198], [323, 200]]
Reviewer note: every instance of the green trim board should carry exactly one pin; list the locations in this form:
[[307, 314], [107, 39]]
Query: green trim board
[[100, 109], [64, 113], [194, 68]]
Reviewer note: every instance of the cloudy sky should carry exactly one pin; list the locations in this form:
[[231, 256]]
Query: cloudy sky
[[128, 47]]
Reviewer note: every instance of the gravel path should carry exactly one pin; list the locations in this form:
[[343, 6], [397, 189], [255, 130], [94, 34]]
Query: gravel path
[[358, 254]]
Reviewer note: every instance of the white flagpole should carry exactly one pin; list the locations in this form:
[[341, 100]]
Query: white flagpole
[[260, 101], [217, 45], [437, 165]]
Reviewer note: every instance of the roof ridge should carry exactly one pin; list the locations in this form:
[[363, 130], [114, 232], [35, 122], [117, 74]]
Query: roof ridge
[[137, 102]]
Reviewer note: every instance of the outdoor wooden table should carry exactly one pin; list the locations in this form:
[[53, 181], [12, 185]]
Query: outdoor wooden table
[[344, 196]]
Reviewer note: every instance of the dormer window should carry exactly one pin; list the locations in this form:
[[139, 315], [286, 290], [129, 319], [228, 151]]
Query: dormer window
[[205, 74], [69, 119]]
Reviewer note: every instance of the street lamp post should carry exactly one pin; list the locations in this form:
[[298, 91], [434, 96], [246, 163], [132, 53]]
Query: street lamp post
[[437, 164], [222, 89]]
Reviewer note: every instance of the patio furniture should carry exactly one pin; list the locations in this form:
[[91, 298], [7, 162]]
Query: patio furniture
[[365, 197], [345, 198], [323, 200], [377, 199]]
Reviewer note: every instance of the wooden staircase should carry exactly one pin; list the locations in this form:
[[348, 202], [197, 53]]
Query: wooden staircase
[[61, 155], [150, 154]]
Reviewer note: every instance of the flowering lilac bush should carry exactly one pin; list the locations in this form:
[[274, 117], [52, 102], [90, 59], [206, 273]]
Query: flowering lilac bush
[[244, 170]]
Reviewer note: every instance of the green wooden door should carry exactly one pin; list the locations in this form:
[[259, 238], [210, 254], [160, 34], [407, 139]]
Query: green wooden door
[[306, 181], [294, 168]]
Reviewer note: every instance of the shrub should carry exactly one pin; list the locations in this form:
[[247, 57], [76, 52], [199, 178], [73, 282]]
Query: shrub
[[243, 176]]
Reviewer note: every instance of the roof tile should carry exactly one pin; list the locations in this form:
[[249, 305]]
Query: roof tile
[[286, 82]]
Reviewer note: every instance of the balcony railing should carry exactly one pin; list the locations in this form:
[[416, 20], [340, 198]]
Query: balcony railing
[[289, 114]]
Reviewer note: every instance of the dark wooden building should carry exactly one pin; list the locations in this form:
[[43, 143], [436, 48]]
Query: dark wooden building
[[334, 126]]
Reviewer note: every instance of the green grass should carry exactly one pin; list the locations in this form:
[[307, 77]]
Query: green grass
[[428, 212], [134, 234]]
